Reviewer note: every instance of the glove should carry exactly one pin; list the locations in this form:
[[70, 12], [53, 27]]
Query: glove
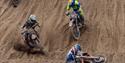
[[22, 27], [67, 13]]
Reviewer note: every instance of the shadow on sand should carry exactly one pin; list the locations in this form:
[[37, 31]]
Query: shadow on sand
[[25, 48]]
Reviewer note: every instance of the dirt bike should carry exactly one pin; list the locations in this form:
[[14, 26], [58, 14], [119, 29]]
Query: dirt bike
[[74, 25], [91, 59], [15, 2], [31, 39], [30, 44]]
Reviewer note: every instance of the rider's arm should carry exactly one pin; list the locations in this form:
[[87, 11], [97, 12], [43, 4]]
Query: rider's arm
[[36, 24], [81, 11], [68, 7], [24, 25]]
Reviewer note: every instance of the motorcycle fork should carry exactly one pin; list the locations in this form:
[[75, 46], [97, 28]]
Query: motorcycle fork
[[76, 23]]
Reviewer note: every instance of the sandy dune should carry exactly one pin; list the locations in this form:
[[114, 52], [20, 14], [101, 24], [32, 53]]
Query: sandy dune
[[105, 33]]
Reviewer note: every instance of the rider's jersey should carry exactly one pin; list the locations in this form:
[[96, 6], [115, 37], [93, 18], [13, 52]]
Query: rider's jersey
[[75, 6], [29, 24], [70, 56], [73, 52]]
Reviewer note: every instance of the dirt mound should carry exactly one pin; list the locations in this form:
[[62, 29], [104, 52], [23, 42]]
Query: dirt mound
[[105, 33]]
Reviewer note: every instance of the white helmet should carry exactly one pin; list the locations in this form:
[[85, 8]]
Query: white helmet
[[32, 17]]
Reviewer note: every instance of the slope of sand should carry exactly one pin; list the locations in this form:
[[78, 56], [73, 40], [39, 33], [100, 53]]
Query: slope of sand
[[105, 33]]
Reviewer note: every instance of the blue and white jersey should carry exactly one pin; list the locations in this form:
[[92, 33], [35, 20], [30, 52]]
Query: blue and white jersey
[[71, 55]]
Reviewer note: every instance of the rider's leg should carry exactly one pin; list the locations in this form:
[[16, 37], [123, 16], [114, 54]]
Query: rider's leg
[[81, 16], [36, 32], [80, 21], [27, 40], [25, 35]]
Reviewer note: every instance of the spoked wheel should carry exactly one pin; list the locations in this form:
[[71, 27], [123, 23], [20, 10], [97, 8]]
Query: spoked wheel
[[35, 48], [33, 41], [76, 32], [100, 59]]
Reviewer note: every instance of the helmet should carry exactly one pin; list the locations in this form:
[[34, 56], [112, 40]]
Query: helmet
[[72, 1], [32, 17], [78, 47], [75, 2]]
